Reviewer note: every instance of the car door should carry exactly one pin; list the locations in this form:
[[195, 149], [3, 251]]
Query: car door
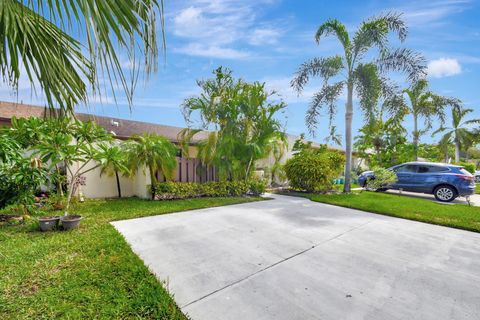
[[405, 177]]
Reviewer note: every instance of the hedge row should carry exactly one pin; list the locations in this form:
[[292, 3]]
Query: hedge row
[[183, 190]]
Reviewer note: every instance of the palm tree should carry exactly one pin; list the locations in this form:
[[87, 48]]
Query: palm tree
[[425, 104], [353, 73], [114, 162], [459, 131], [153, 152], [36, 39], [243, 123]]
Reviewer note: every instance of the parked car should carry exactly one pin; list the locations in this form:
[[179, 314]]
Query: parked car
[[446, 182]]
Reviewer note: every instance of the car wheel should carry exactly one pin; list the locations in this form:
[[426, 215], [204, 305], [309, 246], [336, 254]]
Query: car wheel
[[368, 186], [445, 193]]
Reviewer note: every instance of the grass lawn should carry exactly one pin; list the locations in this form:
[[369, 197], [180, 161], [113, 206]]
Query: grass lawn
[[89, 272], [477, 188], [451, 215], [339, 187]]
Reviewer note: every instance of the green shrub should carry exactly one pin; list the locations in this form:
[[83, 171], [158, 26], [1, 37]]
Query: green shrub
[[470, 167], [257, 187], [184, 190], [314, 170], [383, 178]]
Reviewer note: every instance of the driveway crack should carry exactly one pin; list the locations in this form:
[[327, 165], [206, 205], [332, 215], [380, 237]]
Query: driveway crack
[[277, 263]]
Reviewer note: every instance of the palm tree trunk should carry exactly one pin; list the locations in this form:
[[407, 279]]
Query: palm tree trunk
[[415, 137], [153, 180], [457, 150], [348, 137], [118, 184]]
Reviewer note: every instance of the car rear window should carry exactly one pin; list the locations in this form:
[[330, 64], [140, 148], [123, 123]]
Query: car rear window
[[409, 168], [437, 169]]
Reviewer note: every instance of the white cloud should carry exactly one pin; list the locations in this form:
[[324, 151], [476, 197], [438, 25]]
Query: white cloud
[[443, 67], [428, 12], [196, 49], [217, 28], [262, 36]]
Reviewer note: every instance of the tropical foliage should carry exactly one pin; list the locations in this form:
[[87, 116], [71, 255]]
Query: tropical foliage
[[460, 133], [242, 121], [383, 178], [313, 170], [423, 103], [114, 163], [353, 71], [36, 42], [153, 152], [183, 190]]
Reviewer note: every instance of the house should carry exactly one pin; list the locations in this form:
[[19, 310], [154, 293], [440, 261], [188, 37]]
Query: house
[[189, 168]]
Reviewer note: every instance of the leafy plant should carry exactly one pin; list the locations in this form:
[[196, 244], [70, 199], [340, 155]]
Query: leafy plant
[[154, 152], [242, 121], [37, 36], [184, 190], [115, 162], [382, 179], [314, 170], [352, 71], [460, 131]]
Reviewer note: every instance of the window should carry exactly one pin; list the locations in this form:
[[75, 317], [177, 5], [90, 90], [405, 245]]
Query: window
[[424, 169], [409, 168], [438, 169]]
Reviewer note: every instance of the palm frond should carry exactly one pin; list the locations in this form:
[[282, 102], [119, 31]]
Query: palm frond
[[334, 27], [36, 34], [403, 60], [327, 96], [322, 67]]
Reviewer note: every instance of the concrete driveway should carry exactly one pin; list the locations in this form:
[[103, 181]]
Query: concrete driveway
[[290, 258]]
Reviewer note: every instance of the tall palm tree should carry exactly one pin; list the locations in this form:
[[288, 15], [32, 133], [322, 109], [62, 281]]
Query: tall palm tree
[[351, 71], [114, 162], [423, 103], [37, 41], [459, 132], [154, 152]]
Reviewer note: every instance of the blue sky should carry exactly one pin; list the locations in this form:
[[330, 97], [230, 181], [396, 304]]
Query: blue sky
[[267, 40]]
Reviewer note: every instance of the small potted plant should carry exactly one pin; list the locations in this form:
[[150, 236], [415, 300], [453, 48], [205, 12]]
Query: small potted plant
[[72, 221]]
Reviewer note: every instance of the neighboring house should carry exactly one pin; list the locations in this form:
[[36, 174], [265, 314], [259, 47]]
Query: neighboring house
[[189, 168]]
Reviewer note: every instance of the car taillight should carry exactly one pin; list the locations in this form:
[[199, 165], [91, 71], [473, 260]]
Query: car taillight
[[465, 177]]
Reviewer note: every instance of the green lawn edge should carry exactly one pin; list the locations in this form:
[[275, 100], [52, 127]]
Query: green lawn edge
[[91, 272], [458, 216]]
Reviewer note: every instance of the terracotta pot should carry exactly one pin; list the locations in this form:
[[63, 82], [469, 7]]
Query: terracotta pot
[[70, 222], [48, 223]]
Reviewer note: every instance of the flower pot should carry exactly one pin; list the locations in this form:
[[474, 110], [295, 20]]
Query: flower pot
[[48, 223], [70, 222]]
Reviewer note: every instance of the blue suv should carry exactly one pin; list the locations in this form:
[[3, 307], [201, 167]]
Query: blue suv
[[444, 181]]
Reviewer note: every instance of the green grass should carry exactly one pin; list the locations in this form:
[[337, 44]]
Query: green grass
[[477, 188], [86, 273], [451, 215], [339, 187]]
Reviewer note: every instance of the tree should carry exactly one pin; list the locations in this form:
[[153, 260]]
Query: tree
[[36, 41], [459, 132], [353, 73], [242, 123], [78, 146], [153, 152], [425, 104], [114, 163]]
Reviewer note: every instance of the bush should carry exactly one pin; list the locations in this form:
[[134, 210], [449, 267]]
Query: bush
[[314, 170], [184, 190], [470, 167], [383, 178]]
